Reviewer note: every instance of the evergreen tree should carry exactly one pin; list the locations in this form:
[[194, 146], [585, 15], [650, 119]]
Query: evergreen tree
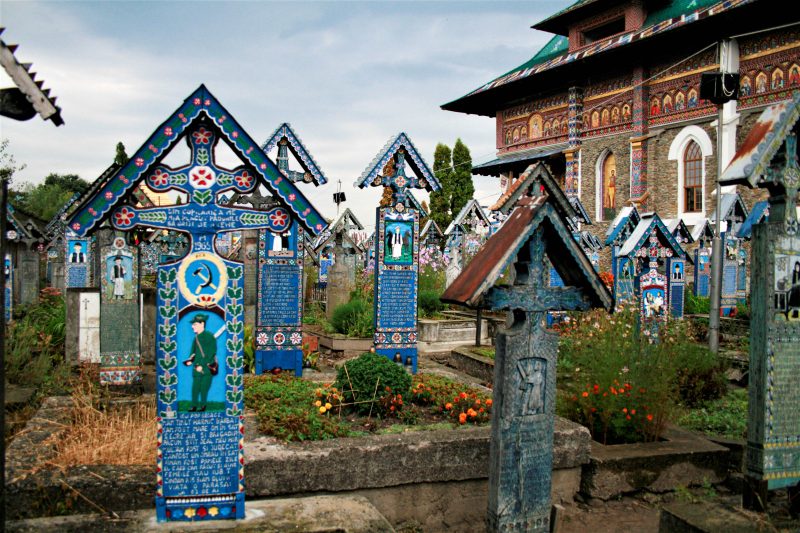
[[386, 198], [121, 157], [462, 189], [440, 201]]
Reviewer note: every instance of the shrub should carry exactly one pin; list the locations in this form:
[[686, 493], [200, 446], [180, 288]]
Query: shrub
[[696, 305], [370, 377], [353, 319], [429, 303], [726, 417], [625, 388]]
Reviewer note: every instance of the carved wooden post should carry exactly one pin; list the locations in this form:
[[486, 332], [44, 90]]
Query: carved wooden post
[[397, 248], [773, 425], [521, 449], [200, 299]]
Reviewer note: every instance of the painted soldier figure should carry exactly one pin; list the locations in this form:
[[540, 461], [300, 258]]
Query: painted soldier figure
[[203, 358]]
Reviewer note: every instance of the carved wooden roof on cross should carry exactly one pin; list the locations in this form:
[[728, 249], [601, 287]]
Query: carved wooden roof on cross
[[387, 169]]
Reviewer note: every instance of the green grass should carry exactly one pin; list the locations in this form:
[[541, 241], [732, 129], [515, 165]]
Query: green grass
[[484, 351], [725, 417]]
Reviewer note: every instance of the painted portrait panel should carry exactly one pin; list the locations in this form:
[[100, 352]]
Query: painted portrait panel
[[119, 270], [535, 126], [399, 242], [201, 345], [609, 186]]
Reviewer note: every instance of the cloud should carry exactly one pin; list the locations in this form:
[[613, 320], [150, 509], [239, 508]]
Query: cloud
[[347, 75]]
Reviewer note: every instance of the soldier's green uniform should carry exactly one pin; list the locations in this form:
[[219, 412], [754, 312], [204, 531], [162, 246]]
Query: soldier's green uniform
[[203, 354]]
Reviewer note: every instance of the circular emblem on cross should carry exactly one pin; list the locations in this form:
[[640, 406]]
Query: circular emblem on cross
[[202, 177]]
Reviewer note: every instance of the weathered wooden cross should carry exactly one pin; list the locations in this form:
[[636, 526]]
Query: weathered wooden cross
[[773, 424], [521, 448]]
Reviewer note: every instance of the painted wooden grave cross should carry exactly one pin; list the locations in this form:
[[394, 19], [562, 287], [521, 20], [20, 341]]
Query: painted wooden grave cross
[[768, 159], [521, 449], [200, 321], [279, 306], [397, 248]]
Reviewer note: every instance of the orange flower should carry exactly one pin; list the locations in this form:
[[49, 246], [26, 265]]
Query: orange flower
[[471, 412], [478, 401], [585, 394], [627, 417], [448, 406], [624, 409], [594, 409], [462, 418], [649, 418], [489, 402], [463, 395], [633, 411]]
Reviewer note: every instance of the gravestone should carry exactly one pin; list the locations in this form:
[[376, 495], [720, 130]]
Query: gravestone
[[281, 255], [397, 248], [768, 159], [341, 279], [78, 261], [521, 449], [120, 356], [8, 288], [200, 298]]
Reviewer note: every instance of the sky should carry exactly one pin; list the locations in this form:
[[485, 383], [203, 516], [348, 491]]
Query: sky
[[347, 76]]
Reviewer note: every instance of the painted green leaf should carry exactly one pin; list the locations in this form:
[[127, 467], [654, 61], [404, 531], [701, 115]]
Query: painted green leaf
[[224, 179], [167, 294], [234, 397], [202, 156], [179, 179], [234, 309], [168, 311], [167, 330], [167, 396], [233, 412], [173, 275], [202, 197], [234, 272], [233, 381], [153, 216], [168, 381], [234, 292]]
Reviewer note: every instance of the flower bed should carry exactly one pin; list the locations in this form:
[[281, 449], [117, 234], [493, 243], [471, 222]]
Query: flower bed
[[624, 387], [292, 409]]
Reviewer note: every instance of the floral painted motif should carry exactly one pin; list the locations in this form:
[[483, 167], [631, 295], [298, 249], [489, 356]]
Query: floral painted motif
[[159, 178], [245, 179], [296, 338], [202, 136], [279, 218], [279, 338], [123, 217], [262, 338]]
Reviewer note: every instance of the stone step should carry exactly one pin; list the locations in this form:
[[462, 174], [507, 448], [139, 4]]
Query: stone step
[[314, 514], [707, 517]]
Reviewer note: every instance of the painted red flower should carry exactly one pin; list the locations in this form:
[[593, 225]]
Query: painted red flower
[[139, 162], [109, 195], [123, 217], [207, 102], [279, 338], [202, 136], [244, 179], [292, 197], [235, 134], [279, 218], [168, 131], [159, 178], [263, 166], [76, 226], [196, 101], [319, 227]]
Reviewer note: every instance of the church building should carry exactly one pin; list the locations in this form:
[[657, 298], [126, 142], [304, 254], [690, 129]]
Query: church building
[[612, 102]]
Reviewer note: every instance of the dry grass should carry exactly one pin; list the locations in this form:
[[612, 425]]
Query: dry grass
[[108, 433]]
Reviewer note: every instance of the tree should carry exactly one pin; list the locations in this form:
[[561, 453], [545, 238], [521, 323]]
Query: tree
[[121, 158], [440, 201], [46, 199], [462, 187], [386, 197]]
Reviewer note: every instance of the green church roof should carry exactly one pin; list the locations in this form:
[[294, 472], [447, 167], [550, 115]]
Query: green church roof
[[555, 53]]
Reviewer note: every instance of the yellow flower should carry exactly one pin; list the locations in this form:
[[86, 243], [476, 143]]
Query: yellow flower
[[322, 410], [318, 403], [189, 512], [213, 510], [328, 406]]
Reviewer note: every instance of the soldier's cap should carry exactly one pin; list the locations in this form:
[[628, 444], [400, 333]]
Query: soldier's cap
[[200, 317]]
